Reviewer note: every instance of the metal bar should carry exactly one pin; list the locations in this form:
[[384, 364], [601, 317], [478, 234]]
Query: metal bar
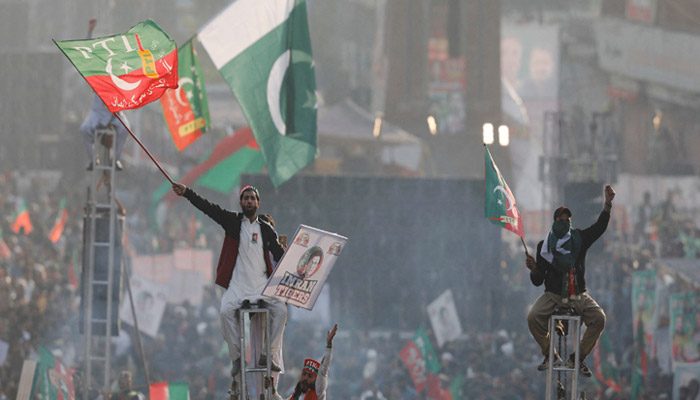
[[577, 345], [138, 332], [241, 319], [268, 391], [550, 364], [110, 261]]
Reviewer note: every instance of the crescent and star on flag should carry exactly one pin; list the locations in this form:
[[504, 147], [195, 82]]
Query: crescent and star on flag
[[274, 86]]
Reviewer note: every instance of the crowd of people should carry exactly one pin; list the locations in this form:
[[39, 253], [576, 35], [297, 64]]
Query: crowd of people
[[39, 305]]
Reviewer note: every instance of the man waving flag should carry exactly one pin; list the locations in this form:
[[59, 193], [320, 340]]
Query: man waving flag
[[127, 70], [499, 201], [262, 49]]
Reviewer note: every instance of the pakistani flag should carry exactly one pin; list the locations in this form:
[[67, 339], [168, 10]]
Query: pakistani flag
[[499, 203], [186, 109], [262, 49], [126, 70]]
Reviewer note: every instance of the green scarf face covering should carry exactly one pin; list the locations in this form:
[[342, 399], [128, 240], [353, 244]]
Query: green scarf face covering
[[561, 227]]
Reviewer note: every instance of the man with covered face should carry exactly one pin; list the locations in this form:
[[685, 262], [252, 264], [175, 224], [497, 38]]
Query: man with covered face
[[244, 266], [561, 266]]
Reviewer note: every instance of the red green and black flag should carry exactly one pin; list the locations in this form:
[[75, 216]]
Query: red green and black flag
[[126, 70], [499, 202], [169, 391], [22, 220], [186, 109], [60, 223], [220, 170]]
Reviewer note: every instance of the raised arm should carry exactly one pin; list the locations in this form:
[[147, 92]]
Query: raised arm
[[212, 210], [593, 232], [322, 379]]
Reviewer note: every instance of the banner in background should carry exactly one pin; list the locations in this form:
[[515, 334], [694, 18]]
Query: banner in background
[[184, 273], [150, 299], [444, 318], [643, 301], [686, 381], [684, 310]]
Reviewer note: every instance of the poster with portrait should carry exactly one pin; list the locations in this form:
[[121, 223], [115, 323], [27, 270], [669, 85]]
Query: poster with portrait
[[665, 285], [150, 299], [686, 381], [305, 266], [444, 319], [684, 310], [643, 301]]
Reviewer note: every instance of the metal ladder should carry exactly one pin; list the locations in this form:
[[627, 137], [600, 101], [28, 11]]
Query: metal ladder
[[567, 315], [239, 389], [100, 204]]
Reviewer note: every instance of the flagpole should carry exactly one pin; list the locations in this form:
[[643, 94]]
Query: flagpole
[[525, 246], [143, 147]]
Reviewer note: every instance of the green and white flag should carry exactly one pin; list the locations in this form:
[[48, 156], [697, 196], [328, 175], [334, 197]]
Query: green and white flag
[[262, 49]]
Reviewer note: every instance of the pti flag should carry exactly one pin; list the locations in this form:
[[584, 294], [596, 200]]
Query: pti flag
[[22, 221], [53, 381], [185, 109], [270, 70], [420, 359], [499, 203], [126, 70], [60, 223]]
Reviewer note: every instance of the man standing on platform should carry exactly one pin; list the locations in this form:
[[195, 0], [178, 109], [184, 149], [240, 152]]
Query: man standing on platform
[[561, 265], [244, 267]]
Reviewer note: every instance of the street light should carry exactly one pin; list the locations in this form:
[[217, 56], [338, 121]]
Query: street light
[[503, 135], [432, 125], [487, 133], [378, 124]]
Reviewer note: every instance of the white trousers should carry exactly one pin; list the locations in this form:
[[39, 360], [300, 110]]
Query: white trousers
[[232, 333]]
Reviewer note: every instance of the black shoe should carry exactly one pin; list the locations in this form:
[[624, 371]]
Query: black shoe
[[274, 367], [582, 368], [236, 368], [97, 162], [545, 363]]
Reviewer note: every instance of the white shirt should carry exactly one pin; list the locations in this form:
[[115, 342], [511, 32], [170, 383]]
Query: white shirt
[[249, 275]]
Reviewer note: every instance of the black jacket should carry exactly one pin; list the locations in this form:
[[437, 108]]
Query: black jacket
[[231, 222], [544, 272]]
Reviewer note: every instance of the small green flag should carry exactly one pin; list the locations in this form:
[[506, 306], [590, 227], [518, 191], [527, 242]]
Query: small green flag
[[499, 202]]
